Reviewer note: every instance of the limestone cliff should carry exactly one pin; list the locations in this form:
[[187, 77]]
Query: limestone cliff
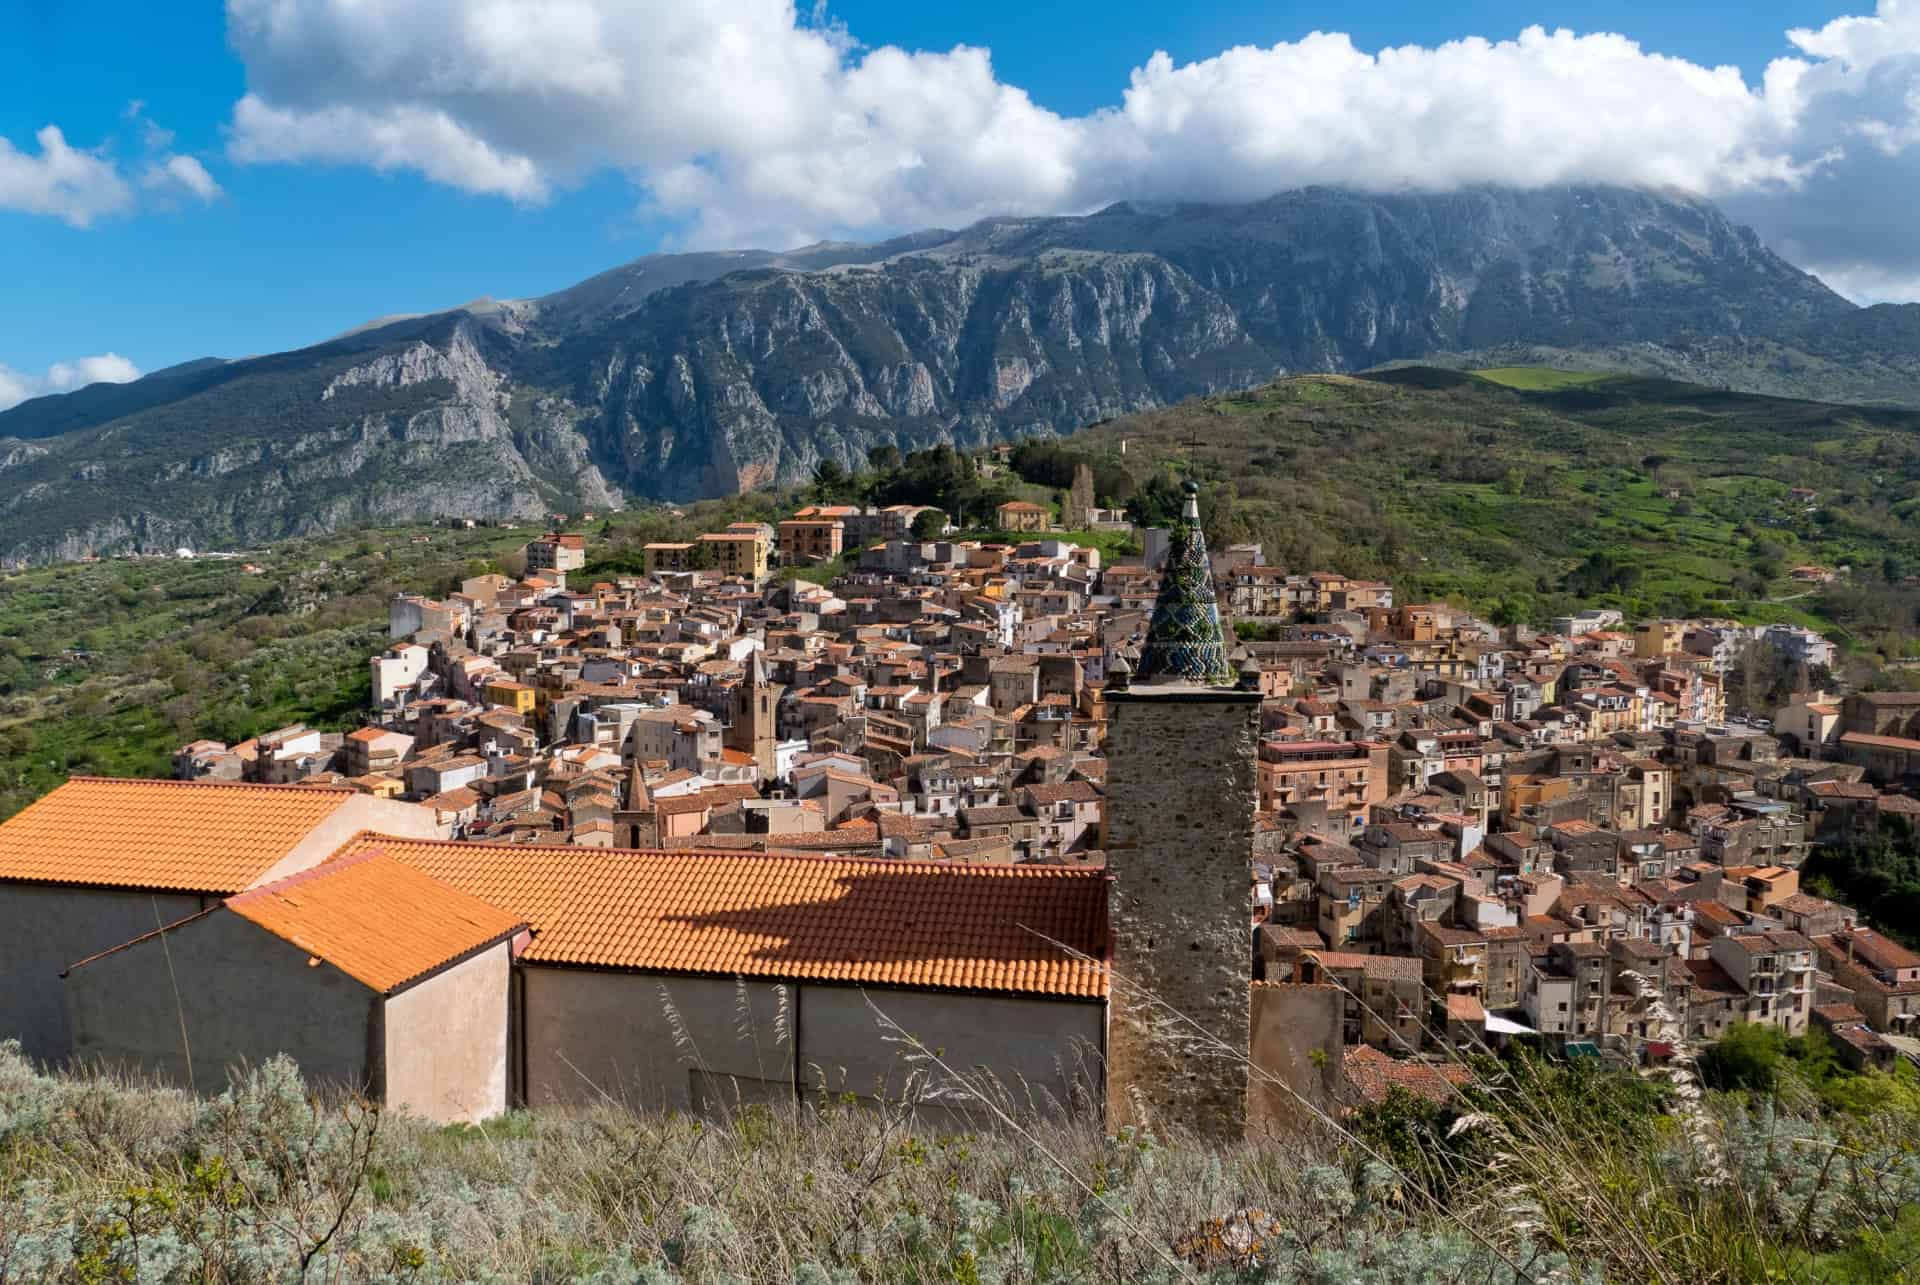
[[692, 375]]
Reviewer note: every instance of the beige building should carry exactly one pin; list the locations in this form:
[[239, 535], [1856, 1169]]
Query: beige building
[[1655, 638], [738, 553], [556, 553], [399, 965], [1023, 515], [375, 749], [666, 555], [789, 974], [1811, 720]]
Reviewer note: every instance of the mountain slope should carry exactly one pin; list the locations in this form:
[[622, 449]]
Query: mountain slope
[[1540, 494], [686, 375]]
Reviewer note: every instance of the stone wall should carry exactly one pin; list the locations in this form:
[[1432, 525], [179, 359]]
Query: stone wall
[[1180, 802], [1298, 1047]]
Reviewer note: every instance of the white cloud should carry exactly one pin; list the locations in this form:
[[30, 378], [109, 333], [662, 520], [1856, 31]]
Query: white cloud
[[69, 183], [17, 386], [754, 124], [176, 173], [81, 185]]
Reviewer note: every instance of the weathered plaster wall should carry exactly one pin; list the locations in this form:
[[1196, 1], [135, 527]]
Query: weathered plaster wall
[[593, 1035], [362, 812], [1180, 799], [43, 930], [1297, 1050], [1034, 1055], [446, 1041], [243, 996]]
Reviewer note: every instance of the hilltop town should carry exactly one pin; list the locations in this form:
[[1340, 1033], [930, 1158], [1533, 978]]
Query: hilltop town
[[1471, 829], [982, 835]]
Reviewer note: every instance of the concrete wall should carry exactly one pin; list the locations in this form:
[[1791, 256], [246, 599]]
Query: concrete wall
[[43, 930], [446, 1041], [1043, 1055], [244, 995], [1181, 775], [1290, 1025], [594, 1035]]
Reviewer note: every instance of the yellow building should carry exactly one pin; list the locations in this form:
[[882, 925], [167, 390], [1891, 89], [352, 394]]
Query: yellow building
[[737, 553], [1022, 515], [504, 693], [1653, 638], [665, 555]]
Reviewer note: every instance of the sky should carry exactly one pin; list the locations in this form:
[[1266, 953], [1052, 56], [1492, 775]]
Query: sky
[[184, 180]]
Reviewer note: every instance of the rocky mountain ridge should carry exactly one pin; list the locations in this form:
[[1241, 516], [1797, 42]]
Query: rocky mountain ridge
[[687, 375]]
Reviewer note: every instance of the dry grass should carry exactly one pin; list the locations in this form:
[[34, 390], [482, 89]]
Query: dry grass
[[1538, 1174]]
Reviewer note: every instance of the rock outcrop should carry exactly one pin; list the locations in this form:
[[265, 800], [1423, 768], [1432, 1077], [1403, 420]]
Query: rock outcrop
[[694, 375]]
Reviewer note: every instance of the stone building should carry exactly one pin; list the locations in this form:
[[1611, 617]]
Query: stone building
[[1181, 786]]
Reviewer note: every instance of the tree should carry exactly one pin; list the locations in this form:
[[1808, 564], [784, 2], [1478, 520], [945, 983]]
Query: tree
[[1512, 610], [830, 480], [884, 459], [1601, 573], [1158, 502], [1747, 1057], [929, 524]]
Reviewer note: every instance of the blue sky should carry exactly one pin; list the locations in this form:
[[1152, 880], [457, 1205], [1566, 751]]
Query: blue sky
[[258, 177]]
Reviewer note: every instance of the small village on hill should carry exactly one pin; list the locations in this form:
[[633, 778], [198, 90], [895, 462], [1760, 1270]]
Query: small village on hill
[[1467, 834]]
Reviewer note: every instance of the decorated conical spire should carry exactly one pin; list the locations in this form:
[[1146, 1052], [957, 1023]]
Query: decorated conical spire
[[1184, 642]]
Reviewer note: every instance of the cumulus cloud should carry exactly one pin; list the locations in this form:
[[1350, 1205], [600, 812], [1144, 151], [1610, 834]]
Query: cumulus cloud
[[69, 183], [1853, 94], [182, 175], [82, 185], [752, 123], [17, 386]]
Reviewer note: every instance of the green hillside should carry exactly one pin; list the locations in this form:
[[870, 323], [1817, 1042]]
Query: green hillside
[[106, 667], [1529, 492], [1540, 379]]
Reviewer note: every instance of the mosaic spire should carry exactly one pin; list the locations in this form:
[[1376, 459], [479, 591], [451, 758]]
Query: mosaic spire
[[1184, 643]]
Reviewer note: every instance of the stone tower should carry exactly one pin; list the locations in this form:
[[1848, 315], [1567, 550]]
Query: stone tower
[[750, 724], [1180, 802], [1078, 513]]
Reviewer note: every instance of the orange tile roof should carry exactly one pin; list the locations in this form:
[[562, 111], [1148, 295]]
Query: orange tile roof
[[1373, 1075], [788, 916], [167, 836], [378, 920]]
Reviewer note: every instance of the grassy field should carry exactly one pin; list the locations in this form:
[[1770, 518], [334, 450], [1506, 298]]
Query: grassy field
[[1539, 379]]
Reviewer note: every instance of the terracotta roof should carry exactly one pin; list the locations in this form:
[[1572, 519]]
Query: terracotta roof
[[784, 915], [379, 921], [1880, 742], [167, 836], [1373, 1075]]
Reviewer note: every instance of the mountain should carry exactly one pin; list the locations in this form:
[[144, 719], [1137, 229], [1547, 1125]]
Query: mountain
[[679, 376]]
